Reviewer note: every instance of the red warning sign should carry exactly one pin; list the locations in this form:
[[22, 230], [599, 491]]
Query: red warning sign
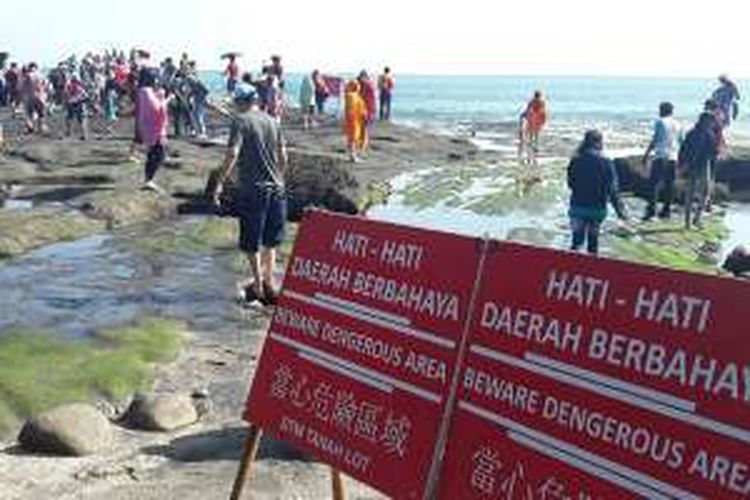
[[361, 352], [588, 378]]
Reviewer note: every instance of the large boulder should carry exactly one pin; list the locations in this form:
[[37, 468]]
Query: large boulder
[[738, 262], [313, 180], [161, 412], [74, 430], [732, 178]]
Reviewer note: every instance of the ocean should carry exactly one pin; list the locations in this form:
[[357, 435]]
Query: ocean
[[485, 106]]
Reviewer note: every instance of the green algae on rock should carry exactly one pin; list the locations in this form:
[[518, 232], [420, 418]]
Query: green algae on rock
[[198, 236], [23, 230], [39, 370], [668, 244]]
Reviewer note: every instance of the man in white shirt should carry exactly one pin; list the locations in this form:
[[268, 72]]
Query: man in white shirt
[[665, 144]]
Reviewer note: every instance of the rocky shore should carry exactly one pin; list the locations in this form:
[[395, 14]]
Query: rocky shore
[[182, 436], [175, 431]]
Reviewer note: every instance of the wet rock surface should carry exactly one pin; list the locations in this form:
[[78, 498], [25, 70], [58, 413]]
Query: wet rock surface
[[94, 185]]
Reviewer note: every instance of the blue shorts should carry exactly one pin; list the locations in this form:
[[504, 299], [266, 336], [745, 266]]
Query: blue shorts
[[262, 213]]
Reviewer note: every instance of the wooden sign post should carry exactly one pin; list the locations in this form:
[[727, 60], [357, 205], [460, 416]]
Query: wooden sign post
[[250, 452]]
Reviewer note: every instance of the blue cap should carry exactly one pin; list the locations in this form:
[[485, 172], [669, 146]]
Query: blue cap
[[244, 93]]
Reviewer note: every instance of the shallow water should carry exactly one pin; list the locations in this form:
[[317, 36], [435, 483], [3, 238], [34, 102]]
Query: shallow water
[[499, 202], [75, 287], [14, 204]]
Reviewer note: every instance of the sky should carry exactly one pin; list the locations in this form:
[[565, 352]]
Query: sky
[[543, 37]]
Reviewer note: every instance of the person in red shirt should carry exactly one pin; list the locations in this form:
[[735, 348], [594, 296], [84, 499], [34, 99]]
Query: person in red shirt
[[232, 73]]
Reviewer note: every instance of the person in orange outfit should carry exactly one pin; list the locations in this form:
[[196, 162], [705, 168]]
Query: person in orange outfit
[[355, 119], [533, 120]]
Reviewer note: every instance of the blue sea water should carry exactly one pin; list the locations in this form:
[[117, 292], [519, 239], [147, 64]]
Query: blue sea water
[[623, 105]]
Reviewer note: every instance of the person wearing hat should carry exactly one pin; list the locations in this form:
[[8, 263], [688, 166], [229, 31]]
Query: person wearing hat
[[257, 151]]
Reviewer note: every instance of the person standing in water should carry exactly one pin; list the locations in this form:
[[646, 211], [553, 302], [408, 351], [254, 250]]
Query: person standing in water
[[592, 180], [532, 121], [665, 144]]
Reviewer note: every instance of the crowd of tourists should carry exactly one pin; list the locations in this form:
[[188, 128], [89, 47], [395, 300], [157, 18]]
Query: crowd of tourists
[[103, 86]]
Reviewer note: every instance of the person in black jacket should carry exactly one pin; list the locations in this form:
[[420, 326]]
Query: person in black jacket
[[592, 180], [696, 154]]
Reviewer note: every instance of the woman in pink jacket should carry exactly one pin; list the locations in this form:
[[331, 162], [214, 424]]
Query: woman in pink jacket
[[152, 123]]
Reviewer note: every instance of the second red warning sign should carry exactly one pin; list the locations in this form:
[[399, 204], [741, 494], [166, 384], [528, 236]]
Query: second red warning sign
[[594, 379]]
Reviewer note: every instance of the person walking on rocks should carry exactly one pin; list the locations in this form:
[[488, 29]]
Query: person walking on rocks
[[257, 150], [321, 91], [34, 91], [665, 144], [13, 87], [232, 72], [718, 125], [307, 101], [198, 98], [386, 83], [696, 154], [355, 120], [153, 120], [76, 97], [727, 98], [368, 92], [592, 180], [110, 101]]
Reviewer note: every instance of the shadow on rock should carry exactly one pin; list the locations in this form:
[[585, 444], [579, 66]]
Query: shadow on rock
[[226, 444], [64, 194]]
